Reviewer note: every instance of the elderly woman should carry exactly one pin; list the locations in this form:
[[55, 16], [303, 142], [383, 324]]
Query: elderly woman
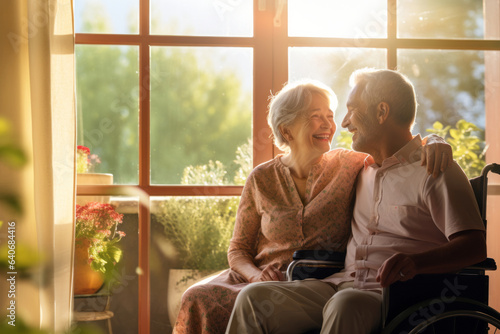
[[301, 199]]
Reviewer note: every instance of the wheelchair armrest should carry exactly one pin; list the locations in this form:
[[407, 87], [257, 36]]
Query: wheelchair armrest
[[321, 255], [481, 267], [314, 264]]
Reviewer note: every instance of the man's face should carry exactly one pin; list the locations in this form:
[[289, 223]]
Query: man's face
[[361, 121]]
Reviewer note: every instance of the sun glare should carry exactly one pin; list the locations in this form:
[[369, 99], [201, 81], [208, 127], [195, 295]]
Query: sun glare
[[338, 18]]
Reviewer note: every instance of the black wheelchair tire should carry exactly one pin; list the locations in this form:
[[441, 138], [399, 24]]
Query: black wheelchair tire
[[460, 309]]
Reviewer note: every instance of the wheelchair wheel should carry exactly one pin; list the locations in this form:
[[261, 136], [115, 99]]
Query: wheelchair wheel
[[434, 316], [477, 321]]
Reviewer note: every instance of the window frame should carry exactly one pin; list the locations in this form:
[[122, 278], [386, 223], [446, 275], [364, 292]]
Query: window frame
[[270, 44]]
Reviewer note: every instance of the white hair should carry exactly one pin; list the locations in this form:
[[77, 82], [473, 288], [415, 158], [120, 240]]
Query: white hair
[[391, 87], [293, 101]]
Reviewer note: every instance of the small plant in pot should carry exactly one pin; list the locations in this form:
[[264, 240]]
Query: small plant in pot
[[197, 229], [85, 162], [200, 228], [96, 250]]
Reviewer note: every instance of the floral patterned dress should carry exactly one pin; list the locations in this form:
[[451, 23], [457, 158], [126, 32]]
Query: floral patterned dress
[[271, 223]]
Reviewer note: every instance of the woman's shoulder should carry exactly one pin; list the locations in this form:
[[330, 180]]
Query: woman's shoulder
[[267, 167], [344, 155]]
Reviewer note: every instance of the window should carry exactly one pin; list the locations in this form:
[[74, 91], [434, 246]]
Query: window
[[172, 95]]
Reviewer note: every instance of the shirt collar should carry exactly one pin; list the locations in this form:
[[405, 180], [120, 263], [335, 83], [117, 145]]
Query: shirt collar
[[369, 161], [407, 154], [410, 152]]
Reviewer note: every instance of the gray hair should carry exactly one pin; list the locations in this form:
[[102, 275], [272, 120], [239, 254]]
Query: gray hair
[[292, 102], [388, 86]]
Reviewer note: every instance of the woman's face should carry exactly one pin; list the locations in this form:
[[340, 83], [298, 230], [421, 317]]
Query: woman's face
[[313, 132]]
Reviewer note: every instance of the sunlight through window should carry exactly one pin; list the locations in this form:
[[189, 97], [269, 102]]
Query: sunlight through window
[[328, 18]]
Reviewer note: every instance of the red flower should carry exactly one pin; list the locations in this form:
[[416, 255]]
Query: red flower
[[85, 149]]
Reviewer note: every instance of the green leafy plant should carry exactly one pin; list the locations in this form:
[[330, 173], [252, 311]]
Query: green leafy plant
[[200, 228], [344, 140], [13, 156], [97, 223], [468, 148]]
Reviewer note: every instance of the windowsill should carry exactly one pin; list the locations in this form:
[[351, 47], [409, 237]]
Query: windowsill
[[125, 205], [131, 205]]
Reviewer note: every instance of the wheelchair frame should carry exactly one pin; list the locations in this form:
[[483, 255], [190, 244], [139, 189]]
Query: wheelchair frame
[[452, 312]]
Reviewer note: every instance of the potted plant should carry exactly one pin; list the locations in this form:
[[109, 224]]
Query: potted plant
[[96, 250], [199, 229], [86, 164]]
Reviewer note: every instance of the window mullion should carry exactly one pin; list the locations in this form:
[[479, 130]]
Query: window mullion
[[392, 31], [144, 300], [263, 83]]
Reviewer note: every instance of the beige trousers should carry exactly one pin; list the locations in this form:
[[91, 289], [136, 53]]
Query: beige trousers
[[301, 306]]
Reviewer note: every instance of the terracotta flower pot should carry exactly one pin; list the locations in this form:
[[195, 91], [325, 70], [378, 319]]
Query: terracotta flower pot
[[86, 280]]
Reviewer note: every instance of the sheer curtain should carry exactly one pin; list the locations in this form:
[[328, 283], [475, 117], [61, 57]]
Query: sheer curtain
[[37, 99]]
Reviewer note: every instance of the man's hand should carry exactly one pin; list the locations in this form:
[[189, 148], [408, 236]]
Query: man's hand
[[269, 273], [399, 267]]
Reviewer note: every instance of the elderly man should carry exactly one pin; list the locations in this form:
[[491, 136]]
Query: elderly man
[[405, 222]]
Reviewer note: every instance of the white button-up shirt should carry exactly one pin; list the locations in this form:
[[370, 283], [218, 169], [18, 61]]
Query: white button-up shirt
[[399, 208]]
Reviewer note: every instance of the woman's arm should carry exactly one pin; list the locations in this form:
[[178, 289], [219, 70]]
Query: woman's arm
[[242, 248], [437, 154]]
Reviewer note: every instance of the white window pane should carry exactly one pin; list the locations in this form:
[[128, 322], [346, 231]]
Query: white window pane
[[201, 114], [440, 19], [202, 18], [108, 17], [337, 18]]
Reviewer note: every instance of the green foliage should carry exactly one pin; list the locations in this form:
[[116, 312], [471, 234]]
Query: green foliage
[[468, 148], [107, 107], [344, 140], [97, 225], [27, 258], [213, 173], [20, 327], [13, 156], [244, 160], [199, 228], [201, 112]]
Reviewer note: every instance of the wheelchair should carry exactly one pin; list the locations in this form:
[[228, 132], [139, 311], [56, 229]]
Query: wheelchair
[[428, 303]]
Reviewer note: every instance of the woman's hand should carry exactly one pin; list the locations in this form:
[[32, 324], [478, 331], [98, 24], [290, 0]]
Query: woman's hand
[[436, 154], [269, 273]]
